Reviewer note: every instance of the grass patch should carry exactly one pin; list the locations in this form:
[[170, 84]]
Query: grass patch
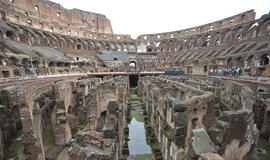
[[137, 115], [145, 157], [14, 150]]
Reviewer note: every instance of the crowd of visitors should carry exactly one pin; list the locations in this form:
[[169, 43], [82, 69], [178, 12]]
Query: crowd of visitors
[[229, 71]]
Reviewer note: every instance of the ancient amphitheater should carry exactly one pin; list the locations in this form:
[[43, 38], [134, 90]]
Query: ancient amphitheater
[[71, 89]]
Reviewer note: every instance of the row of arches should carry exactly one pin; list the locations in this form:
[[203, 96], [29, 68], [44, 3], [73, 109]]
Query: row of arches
[[37, 37], [251, 61], [227, 36]]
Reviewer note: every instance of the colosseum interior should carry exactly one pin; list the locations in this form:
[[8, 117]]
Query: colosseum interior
[[71, 89]]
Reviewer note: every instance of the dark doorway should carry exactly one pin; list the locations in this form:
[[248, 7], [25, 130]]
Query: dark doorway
[[5, 74], [133, 81]]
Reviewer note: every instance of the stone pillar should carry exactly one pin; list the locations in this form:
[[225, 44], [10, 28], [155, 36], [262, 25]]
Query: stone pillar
[[1, 145], [61, 127], [31, 149]]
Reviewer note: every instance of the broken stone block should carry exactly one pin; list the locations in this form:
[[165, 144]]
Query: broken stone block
[[210, 156], [180, 119], [199, 143], [231, 125], [110, 131], [113, 107]]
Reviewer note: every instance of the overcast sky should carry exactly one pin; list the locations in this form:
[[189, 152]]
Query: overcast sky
[[137, 17]]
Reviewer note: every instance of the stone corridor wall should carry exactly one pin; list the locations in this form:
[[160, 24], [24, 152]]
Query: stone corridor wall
[[224, 109], [66, 104]]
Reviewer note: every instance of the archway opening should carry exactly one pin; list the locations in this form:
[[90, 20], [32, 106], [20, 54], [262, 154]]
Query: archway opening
[[132, 66], [265, 59], [5, 74], [10, 35], [133, 81]]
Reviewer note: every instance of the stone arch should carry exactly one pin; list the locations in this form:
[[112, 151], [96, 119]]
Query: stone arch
[[112, 46], [264, 23], [42, 38], [252, 30], [33, 38], [99, 45], [71, 43], [149, 49], [119, 46], [1, 34], [190, 43], [207, 39], [230, 62], [217, 39], [125, 46], [238, 34], [240, 62], [199, 41], [52, 40], [132, 65], [228, 36], [107, 45], [62, 41], [80, 42], [265, 59], [11, 35], [92, 44], [251, 61], [132, 48], [22, 34]]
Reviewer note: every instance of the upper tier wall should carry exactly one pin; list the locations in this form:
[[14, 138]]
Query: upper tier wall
[[53, 17], [224, 23]]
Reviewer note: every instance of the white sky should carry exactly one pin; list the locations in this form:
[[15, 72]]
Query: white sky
[[137, 17]]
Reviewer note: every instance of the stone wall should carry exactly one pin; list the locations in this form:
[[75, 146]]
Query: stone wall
[[47, 14], [10, 120], [224, 109], [174, 112]]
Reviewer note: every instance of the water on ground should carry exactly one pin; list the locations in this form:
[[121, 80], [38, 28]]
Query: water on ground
[[138, 147]]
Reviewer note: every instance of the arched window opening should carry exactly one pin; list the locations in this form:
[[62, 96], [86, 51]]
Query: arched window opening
[[217, 42], [10, 35], [149, 50], [79, 46], [251, 61], [5, 74], [240, 62], [265, 59], [36, 8], [3, 15], [145, 37], [243, 17], [132, 66], [211, 28], [238, 37], [230, 62], [206, 44], [29, 21]]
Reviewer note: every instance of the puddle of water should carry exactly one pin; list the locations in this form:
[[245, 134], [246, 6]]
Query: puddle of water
[[137, 143]]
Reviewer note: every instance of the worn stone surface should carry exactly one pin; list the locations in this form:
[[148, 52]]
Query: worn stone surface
[[200, 143]]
